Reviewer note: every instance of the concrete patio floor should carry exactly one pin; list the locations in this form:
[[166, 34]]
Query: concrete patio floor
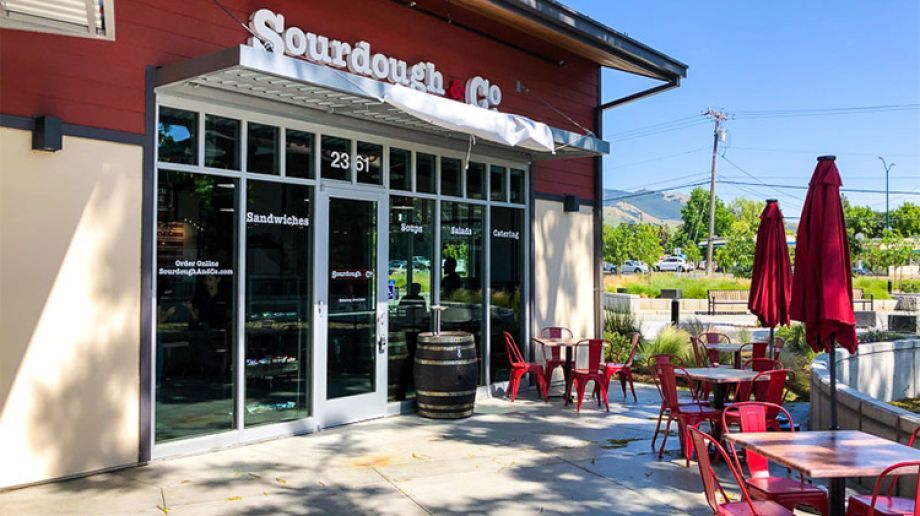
[[525, 457]]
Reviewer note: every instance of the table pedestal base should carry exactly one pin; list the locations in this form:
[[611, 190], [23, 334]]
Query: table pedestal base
[[837, 498]]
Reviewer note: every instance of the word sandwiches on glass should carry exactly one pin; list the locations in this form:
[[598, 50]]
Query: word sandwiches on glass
[[270, 32]]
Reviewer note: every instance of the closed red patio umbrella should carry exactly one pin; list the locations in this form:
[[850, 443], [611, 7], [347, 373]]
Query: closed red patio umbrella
[[822, 286], [771, 278]]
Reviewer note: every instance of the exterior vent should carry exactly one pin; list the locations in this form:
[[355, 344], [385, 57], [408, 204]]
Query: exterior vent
[[86, 18]]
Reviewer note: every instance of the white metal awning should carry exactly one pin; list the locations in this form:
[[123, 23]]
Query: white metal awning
[[252, 72]]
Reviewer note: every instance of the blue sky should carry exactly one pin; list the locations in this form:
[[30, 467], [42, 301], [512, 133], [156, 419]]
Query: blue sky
[[766, 56]]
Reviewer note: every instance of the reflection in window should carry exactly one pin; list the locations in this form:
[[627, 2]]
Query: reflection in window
[[517, 186], [400, 169], [497, 183], [425, 173], [336, 158], [221, 142], [451, 183], [177, 136], [299, 154], [369, 163], [475, 181], [262, 151], [278, 297], [410, 285], [196, 303], [462, 269], [506, 275]]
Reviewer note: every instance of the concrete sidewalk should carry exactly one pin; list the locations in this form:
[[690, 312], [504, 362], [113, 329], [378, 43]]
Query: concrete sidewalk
[[525, 457]]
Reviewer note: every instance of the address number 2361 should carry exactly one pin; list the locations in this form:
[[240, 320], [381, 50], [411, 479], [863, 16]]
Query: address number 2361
[[342, 160]]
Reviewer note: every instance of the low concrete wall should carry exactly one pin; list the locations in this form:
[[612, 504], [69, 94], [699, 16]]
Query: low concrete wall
[[881, 372]]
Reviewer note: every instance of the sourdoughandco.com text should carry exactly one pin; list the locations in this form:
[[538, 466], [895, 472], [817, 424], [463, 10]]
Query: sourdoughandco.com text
[[194, 268]]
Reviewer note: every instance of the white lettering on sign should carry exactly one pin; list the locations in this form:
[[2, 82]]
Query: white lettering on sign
[[454, 230], [281, 220], [195, 268], [352, 274], [499, 233], [269, 28], [410, 228]]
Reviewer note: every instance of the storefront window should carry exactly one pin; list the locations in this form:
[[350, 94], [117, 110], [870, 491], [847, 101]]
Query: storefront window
[[506, 287], [336, 158], [369, 163], [262, 150], [299, 154], [517, 186], [497, 183], [410, 286], [400, 169], [177, 136], [462, 270], [196, 304], [278, 301], [425, 173], [475, 181], [221, 142], [451, 183]]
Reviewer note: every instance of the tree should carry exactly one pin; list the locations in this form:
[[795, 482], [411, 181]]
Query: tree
[[737, 255], [616, 245], [906, 220], [891, 250], [631, 242], [646, 245], [695, 217]]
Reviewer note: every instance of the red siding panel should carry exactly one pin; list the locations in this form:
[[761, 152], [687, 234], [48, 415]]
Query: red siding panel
[[101, 83]]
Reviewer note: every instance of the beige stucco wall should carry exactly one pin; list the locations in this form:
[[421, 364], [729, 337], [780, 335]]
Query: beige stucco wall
[[564, 268], [70, 229]]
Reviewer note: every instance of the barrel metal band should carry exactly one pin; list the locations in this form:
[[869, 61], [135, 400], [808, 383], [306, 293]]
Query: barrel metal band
[[443, 394], [446, 362], [423, 347], [446, 415], [462, 406]]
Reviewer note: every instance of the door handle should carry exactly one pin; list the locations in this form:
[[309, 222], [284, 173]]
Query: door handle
[[381, 344]]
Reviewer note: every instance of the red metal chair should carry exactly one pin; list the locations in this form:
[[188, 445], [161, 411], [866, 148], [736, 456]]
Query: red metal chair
[[664, 359], [752, 417], [688, 414], [519, 367], [624, 369], [580, 377], [711, 337], [887, 504], [762, 364], [702, 359], [712, 487], [772, 390], [554, 359]]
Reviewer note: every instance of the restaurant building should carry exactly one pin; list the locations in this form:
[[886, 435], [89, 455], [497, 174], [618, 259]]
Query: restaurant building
[[227, 221]]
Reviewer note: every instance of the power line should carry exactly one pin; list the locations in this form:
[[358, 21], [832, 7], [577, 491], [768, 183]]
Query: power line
[[679, 178], [752, 176], [802, 187], [652, 192], [659, 158], [657, 126], [802, 151], [801, 113]]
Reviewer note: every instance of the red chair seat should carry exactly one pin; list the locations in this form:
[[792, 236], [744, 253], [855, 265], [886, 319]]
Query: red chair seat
[[696, 410], [884, 505], [782, 486], [763, 508]]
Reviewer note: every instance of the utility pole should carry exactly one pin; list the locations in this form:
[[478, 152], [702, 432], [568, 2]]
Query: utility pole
[[887, 211], [718, 117]]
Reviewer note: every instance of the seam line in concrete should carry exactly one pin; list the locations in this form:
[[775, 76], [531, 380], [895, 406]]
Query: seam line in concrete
[[407, 495]]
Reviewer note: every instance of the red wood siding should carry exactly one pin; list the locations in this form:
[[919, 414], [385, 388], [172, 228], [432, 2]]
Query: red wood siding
[[101, 83]]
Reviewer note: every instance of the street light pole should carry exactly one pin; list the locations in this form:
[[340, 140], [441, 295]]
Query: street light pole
[[887, 209]]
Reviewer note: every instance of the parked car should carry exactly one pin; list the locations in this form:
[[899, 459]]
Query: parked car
[[861, 270], [673, 264], [397, 266], [634, 267], [420, 263], [609, 268]]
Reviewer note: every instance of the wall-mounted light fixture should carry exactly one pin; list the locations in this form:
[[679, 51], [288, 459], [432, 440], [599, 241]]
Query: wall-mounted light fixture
[[570, 203], [47, 133]]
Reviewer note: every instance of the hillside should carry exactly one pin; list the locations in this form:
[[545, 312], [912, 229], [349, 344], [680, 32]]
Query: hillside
[[654, 207]]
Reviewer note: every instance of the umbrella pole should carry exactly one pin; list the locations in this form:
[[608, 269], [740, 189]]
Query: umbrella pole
[[772, 329], [837, 485]]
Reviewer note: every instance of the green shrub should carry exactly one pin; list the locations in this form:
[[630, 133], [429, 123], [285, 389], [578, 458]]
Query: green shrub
[[877, 287], [910, 286], [669, 341], [621, 320], [794, 337], [692, 287], [881, 336], [695, 326]]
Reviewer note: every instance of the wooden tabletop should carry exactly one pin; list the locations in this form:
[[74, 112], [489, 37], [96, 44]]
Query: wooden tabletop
[[549, 341], [840, 454], [725, 348], [720, 374]]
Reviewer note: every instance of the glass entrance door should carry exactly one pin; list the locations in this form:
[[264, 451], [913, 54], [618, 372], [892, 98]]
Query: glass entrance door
[[352, 309]]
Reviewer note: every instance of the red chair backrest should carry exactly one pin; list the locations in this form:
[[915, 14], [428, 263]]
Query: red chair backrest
[[668, 383], [654, 361], [712, 337], [702, 359], [556, 332], [758, 350], [771, 390], [595, 352], [514, 354], [895, 471], [913, 437], [762, 364], [633, 347], [752, 417], [711, 484]]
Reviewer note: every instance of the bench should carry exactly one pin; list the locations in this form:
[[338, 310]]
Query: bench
[[717, 298], [859, 298]]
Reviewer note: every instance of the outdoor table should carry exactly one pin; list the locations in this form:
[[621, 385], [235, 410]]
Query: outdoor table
[[566, 345], [734, 349], [827, 454], [720, 378]]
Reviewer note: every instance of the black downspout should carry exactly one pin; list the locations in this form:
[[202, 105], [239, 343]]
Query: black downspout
[[599, 215], [147, 222]]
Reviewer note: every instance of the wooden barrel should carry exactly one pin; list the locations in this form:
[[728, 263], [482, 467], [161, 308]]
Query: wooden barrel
[[397, 354], [446, 375]]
